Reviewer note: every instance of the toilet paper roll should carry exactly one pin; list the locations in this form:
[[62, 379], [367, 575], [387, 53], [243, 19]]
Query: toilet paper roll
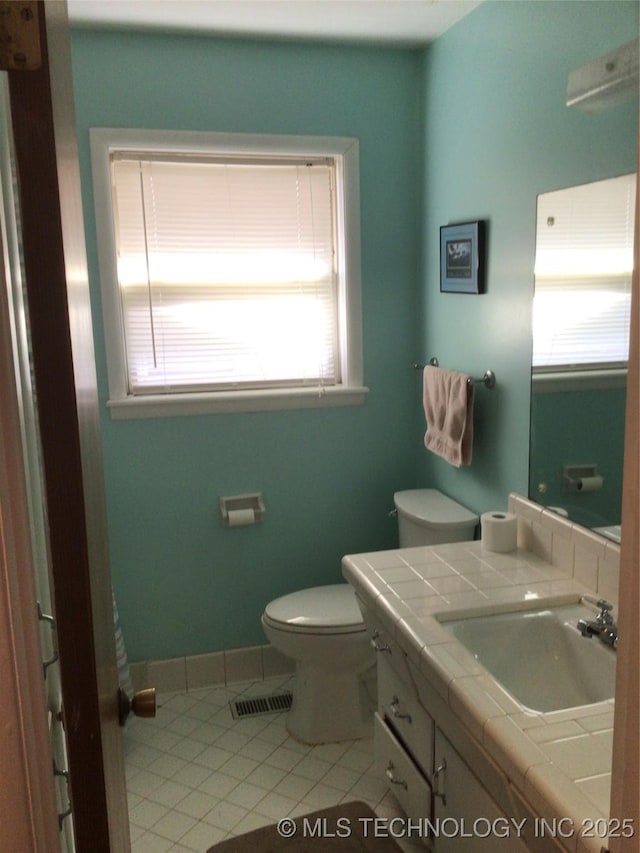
[[589, 484], [499, 531], [241, 517]]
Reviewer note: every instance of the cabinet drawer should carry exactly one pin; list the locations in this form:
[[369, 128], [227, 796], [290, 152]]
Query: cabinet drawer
[[398, 702], [380, 640], [405, 780]]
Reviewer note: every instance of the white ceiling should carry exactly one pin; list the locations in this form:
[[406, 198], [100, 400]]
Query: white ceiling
[[410, 23]]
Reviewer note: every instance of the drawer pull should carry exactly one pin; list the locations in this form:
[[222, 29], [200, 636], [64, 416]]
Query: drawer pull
[[396, 713], [391, 777], [438, 774], [376, 646], [62, 815], [45, 617], [47, 663]]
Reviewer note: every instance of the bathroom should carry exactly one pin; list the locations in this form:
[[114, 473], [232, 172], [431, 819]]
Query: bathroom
[[185, 585]]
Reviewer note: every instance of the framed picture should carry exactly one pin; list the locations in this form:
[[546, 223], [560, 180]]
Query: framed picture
[[462, 258]]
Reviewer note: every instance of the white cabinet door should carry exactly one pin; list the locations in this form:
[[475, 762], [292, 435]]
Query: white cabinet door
[[465, 817], [405, 780]]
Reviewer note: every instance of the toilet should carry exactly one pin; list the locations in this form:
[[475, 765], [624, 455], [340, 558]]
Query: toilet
[[427, 517], [322, 629]]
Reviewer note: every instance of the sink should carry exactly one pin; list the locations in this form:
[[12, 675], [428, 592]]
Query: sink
[[540, 657]]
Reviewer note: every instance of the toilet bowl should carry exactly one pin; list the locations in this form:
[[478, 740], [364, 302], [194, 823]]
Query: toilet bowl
[[322, 629]]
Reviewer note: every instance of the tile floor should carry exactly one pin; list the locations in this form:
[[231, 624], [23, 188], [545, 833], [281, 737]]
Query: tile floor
[[195, 775]]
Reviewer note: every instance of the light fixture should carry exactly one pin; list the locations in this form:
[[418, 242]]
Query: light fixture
[[605, 81]]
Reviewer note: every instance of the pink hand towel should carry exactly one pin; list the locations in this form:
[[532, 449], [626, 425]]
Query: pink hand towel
[[448, 408]]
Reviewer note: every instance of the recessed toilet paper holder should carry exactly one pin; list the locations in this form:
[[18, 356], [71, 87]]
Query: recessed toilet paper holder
[[240, 510], [581, 478]]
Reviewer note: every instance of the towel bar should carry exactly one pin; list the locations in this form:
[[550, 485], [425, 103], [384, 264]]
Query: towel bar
[[488, 380]]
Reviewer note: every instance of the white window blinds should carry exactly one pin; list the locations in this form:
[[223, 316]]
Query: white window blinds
[[584, 261], [227, 272]]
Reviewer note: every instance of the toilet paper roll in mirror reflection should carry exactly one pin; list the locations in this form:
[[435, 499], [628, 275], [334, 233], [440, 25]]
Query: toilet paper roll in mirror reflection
[[589, 484], [499, 531]]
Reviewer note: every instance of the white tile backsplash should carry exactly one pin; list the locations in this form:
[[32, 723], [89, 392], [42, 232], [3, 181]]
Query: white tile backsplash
[[581, 553], [585, 567]]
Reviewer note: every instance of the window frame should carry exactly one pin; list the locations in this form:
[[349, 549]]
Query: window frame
[[344, 151]]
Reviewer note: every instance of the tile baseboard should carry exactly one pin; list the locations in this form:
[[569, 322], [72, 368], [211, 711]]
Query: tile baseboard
[[252, 663]]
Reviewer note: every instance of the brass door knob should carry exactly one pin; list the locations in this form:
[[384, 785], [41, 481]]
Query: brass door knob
[[143, 704]]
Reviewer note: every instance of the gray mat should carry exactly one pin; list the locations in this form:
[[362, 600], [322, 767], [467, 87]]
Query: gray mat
[[347, 828]]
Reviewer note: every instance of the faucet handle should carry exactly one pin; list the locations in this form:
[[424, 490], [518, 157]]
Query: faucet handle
[[605, 611]]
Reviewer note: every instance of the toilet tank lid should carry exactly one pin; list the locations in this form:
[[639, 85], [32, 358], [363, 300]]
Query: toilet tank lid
[[431, 508], [333, 605]]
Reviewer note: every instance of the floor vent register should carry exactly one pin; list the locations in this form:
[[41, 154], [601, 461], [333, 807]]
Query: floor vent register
[[256, 705]]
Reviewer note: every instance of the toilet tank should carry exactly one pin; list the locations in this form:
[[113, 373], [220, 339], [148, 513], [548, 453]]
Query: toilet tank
[[427, 517]]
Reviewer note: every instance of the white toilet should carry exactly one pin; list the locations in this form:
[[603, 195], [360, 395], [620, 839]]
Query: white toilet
[[322, 629], [427, 517]]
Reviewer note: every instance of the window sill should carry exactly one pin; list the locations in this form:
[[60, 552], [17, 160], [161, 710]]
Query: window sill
[[579, 380], [229, 402]]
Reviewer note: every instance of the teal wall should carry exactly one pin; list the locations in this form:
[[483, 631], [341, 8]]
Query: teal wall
[[497, 133], [184, 584], [473, 127]]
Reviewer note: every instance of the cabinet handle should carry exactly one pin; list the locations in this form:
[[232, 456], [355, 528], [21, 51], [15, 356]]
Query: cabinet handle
[[62, 815], [396, 713], [439, 771], [46, 617], [49, 662], [391, 777], [375, 646]]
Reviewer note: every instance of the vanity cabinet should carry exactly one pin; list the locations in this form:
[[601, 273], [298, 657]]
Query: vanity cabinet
[[466, 815], [403, 730], [403, 738], [423, 770]]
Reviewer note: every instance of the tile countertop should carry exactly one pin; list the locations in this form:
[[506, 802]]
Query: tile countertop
[[561, 760]]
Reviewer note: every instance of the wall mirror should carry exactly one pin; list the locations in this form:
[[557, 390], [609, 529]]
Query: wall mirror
[[581, 315]]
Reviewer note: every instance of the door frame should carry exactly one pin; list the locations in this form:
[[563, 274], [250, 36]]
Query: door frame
[[57, 296]]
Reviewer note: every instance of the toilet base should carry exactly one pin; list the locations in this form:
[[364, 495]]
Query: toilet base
[[330, 706]]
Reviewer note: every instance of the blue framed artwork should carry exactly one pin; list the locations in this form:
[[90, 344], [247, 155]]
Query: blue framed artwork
[[462, 257]]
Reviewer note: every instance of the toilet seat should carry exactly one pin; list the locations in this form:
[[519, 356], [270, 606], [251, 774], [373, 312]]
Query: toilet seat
[[331, 609]]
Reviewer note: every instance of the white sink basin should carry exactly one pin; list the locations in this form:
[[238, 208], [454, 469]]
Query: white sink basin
[[540, 657]]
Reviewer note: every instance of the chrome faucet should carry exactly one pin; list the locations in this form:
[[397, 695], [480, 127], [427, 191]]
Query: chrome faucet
[[603, 626]]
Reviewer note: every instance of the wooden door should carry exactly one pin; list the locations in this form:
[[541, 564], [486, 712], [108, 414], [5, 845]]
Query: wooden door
[[27, 790], [56, 285]]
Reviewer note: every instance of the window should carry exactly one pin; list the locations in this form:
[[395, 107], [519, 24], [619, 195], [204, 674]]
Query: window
[[584, 261], [229, 269]]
